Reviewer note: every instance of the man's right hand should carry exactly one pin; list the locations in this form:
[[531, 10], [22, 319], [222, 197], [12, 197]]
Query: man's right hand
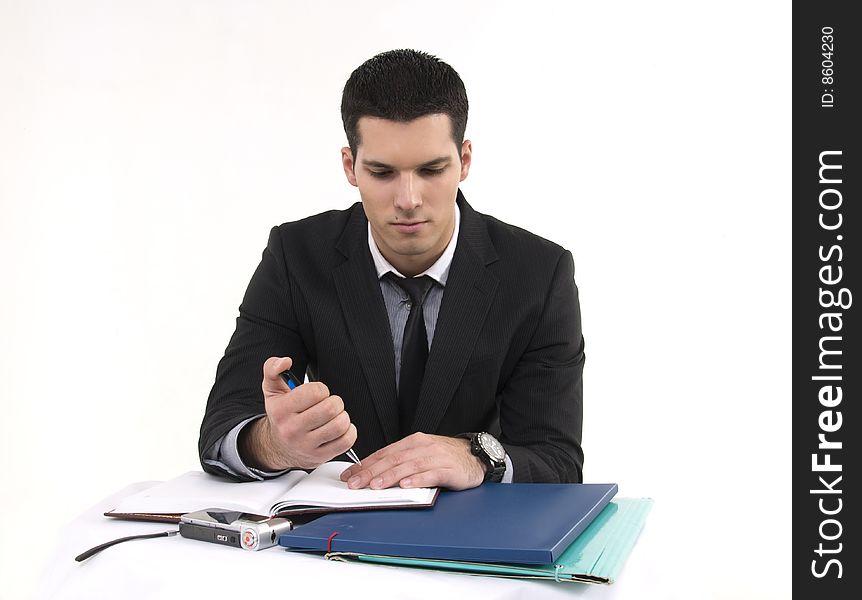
[[303, 427]]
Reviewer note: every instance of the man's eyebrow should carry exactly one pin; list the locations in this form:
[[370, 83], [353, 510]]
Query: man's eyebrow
[[436, 162]]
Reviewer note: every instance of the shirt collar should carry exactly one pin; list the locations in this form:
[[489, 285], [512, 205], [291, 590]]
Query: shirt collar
[[439, 271]]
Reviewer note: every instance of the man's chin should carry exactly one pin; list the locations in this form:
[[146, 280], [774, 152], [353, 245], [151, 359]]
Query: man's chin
[[411, 250]]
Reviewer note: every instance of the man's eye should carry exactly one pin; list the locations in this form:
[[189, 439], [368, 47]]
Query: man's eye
[[380, 174], [432, 171]]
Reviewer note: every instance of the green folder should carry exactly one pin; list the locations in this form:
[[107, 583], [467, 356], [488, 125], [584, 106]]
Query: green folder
[[596, 556]]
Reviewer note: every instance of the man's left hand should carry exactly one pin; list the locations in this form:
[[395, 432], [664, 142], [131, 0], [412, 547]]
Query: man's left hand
[[419, 460]]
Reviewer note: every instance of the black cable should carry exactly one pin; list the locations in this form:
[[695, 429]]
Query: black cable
[[95, 550]]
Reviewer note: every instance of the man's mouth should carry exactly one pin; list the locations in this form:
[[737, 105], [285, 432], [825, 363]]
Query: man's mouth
[[409, 226]]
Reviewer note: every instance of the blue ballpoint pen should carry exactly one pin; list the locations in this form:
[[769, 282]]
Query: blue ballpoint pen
[[292, 382]]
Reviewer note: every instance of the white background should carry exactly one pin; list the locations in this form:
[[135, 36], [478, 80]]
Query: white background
[[146, 148]]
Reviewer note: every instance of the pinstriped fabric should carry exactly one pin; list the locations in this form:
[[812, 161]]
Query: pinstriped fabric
[[507, 353]]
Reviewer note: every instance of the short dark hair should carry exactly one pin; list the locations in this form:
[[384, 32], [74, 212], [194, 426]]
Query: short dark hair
[[402, 85]]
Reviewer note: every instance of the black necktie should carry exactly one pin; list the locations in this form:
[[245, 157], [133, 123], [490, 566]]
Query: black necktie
[[414, 348]]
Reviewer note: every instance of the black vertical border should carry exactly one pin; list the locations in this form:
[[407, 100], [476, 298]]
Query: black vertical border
[[823, 126]]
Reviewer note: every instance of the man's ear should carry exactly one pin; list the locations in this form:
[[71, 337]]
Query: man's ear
[[349, 167], [466, 158]]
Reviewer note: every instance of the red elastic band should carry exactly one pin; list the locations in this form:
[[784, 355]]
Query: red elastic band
[[329, 541]]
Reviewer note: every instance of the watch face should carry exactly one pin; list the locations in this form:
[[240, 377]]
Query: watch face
[[494, 449]]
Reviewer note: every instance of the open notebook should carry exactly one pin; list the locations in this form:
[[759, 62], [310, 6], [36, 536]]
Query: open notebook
[[296, 492]]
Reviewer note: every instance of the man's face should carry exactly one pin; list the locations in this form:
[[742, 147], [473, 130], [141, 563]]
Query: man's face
[[408, 176]]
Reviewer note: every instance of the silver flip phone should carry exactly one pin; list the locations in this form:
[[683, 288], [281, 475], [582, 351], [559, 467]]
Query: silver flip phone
[[233, 528]]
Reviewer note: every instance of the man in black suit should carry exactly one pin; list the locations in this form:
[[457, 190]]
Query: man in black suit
[[501, 394]]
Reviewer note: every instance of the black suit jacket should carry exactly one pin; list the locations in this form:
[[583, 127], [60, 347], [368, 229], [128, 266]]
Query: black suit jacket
[[507, 354]]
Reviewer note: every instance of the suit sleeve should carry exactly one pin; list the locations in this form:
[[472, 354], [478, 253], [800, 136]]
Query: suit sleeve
[[541, 405], [267, 326]]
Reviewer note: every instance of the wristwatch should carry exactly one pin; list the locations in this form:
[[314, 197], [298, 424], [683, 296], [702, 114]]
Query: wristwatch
[[490, 452]]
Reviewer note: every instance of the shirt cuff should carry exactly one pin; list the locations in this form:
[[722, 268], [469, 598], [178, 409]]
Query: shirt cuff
[[507, 476], [225, 455]]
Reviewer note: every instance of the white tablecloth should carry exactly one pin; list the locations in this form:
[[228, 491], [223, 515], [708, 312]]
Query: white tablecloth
[[176, 567]]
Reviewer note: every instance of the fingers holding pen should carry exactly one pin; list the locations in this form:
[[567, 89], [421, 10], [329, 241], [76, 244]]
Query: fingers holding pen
[[340, 444], [301, 398], [272, 369], [306, 425]]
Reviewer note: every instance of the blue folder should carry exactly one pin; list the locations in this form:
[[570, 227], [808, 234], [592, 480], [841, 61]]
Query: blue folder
[[522, 523], [596, 556]]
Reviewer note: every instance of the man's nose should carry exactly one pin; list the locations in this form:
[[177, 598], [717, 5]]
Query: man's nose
[[407, 195]]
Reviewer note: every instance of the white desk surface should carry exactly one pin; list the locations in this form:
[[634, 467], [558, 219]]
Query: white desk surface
[[176, 567]]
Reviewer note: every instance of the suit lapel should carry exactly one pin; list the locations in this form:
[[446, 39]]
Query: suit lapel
[[469, 292], [367, 322]]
